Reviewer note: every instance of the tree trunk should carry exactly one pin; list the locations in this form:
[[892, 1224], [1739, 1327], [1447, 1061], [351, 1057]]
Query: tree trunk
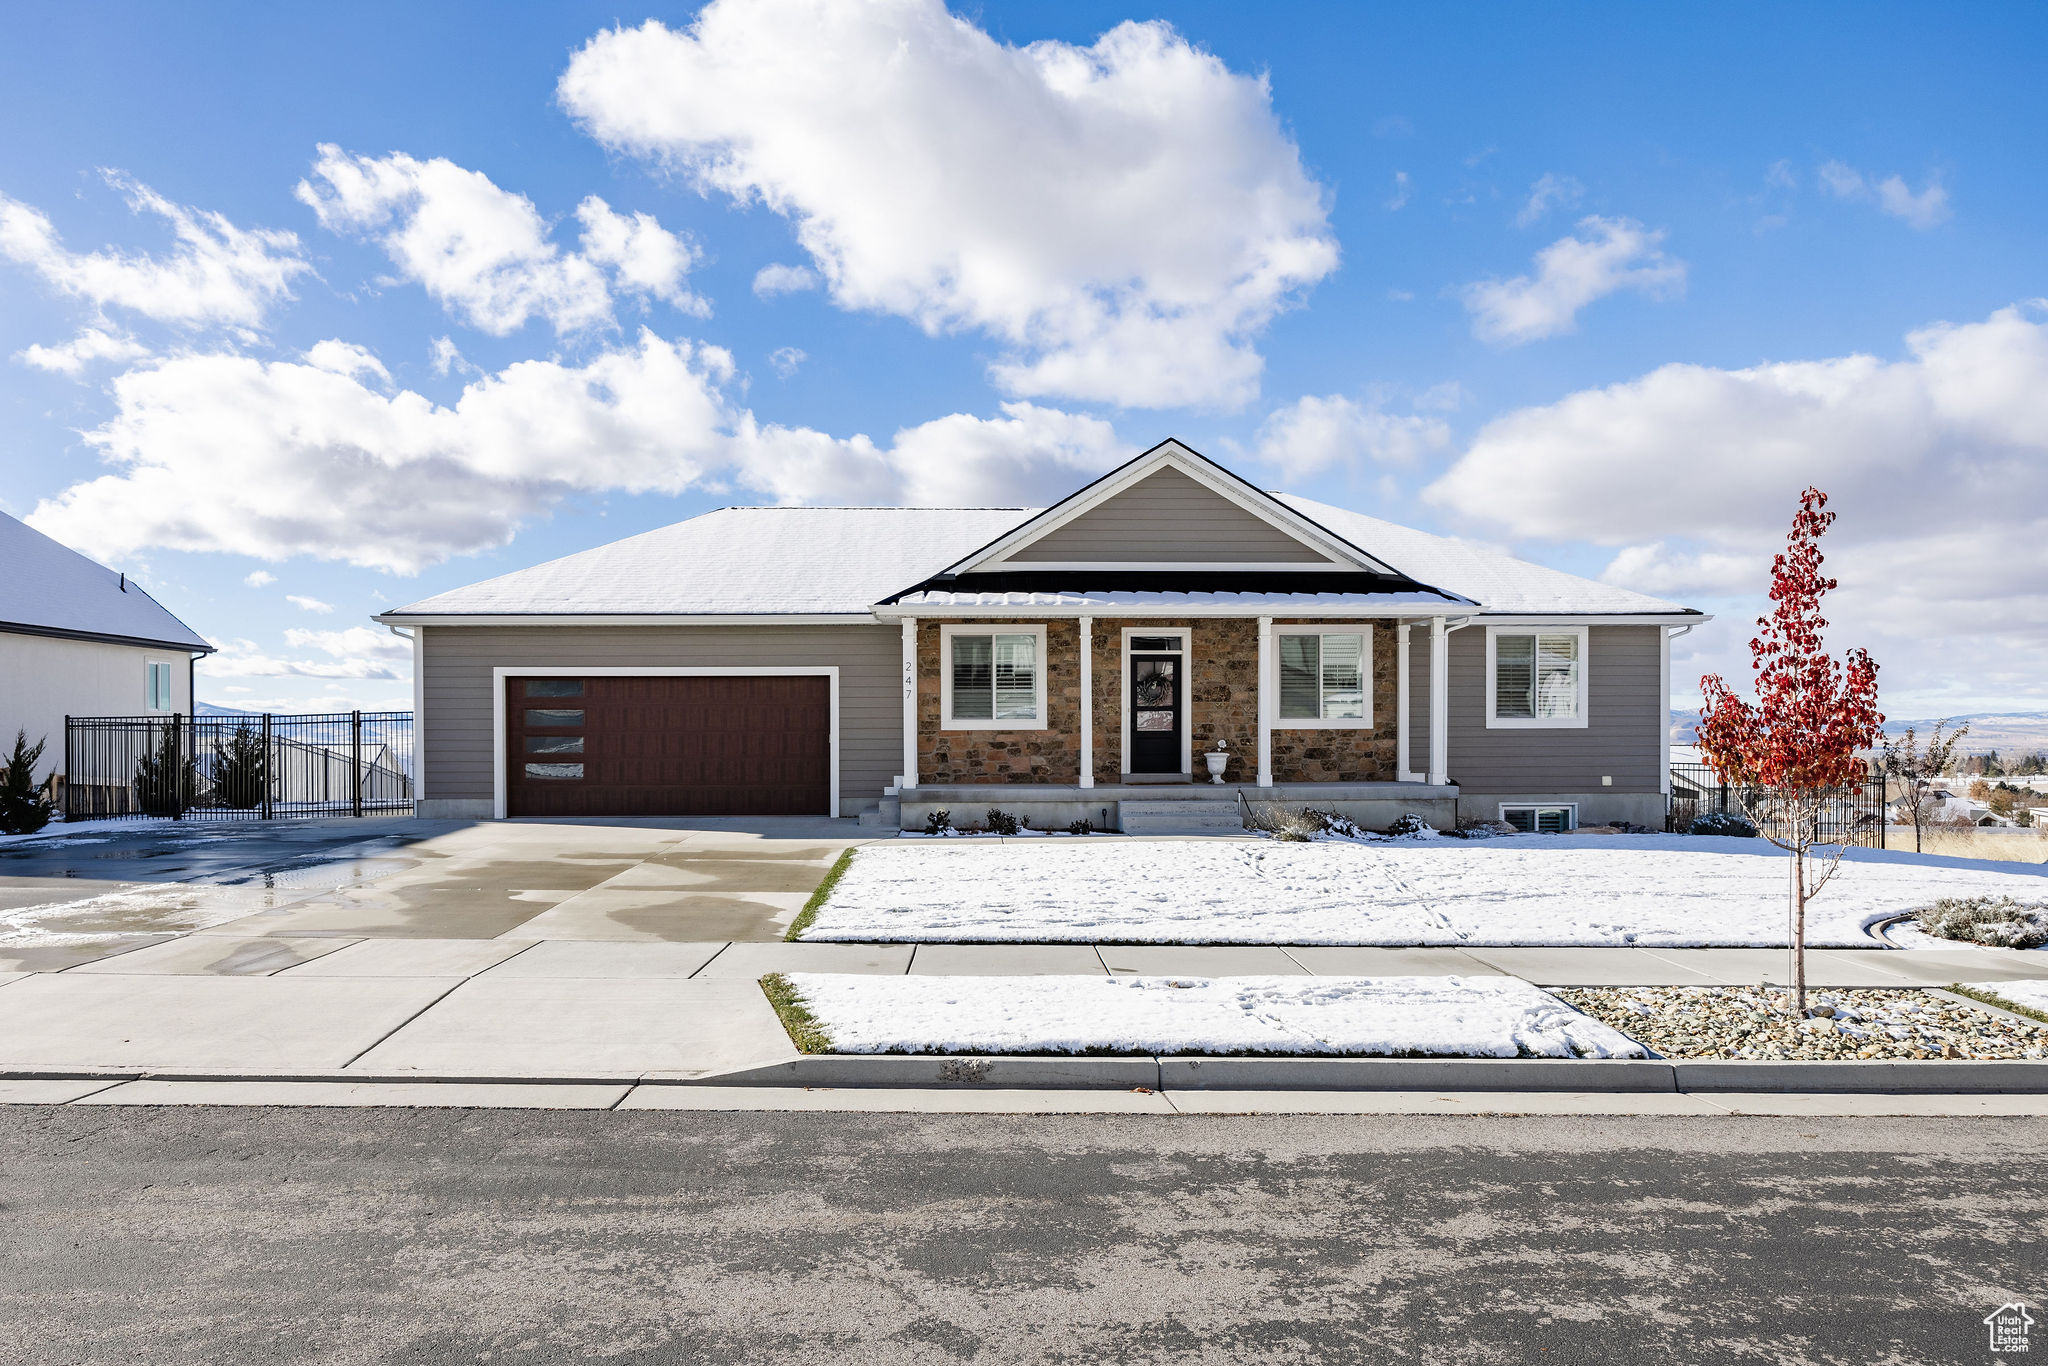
[[1799, 932]]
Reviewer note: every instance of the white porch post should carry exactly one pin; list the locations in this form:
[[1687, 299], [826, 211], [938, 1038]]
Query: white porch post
[[1265, 701], [909, 778], [1664, 708], [1401, 770], [1439, 702], [1087, 701]]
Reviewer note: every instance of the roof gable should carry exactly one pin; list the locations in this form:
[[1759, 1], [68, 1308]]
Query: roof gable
[[51, 589], [1170, 506]]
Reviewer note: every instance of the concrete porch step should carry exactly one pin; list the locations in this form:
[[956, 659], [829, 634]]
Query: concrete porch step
[[1180, 817], [888, 815]]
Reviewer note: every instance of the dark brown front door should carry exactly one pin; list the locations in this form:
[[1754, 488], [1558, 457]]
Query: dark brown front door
[[660, 746]]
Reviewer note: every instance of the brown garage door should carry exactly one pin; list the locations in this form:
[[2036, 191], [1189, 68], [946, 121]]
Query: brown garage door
[[668, 746]]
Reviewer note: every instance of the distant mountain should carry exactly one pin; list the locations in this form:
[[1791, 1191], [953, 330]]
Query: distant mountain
[[209, 709], [2008, 732]]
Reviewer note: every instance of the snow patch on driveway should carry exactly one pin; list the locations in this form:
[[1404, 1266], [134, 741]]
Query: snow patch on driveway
[[1619, 890], [1478, 1016]]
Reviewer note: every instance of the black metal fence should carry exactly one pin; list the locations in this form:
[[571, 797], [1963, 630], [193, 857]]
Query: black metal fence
[[1854, 814], [237, 768]]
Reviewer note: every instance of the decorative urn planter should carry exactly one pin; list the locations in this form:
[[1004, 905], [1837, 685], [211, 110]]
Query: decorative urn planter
[[1216, 759]]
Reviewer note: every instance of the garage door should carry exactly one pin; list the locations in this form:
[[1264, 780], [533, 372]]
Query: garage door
[[651, 746]]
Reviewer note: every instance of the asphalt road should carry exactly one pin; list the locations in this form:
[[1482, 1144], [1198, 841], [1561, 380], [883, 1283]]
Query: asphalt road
[[260, 1235]]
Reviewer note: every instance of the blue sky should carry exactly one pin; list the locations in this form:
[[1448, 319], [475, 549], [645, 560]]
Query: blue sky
[[1602, 284]]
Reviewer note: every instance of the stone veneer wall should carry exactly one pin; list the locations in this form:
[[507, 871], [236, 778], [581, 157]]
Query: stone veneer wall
[[1346, 756], [1052, 755], [1223, 703]]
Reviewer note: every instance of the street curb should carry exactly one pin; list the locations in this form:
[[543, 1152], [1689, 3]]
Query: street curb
[[1019, 1073], [1960, 1076], [1414, 1074], [935, 1070]]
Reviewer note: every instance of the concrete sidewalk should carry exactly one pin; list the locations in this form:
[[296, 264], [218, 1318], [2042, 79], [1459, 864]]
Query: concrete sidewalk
[[561, 1010]]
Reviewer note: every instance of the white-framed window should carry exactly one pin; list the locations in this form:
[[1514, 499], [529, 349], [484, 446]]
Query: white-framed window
[[1535, 676], [992, 677], [1541, 819], [1325, 677], [156, 689]]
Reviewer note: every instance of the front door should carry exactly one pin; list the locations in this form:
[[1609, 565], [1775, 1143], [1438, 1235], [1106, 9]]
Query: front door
[[1156, 688]]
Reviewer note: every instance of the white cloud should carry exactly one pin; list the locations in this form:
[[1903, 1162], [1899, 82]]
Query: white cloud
[[93, 344], [770, 281], [1398, 200], [447, 356], [216, 273], [259, 578], [246, 659], [786, 359], [1607, 254], [1314, 434], [346, 358], [485, 253], [1927, 209], [353, 642], [305, 604], [1551, 191], [1125, 217], [231, 454], [1936, 462]]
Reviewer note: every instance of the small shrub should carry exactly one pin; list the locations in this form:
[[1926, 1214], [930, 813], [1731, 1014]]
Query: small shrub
[[1409, 826], [939, 823], [1330, 823], [24, 807], [1001, 822], [1084, 826], [1481, 830], [1722, 823], [239, 768], [1994, 921]]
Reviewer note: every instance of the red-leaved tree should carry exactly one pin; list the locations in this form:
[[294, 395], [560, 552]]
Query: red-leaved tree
[[1813, 717]]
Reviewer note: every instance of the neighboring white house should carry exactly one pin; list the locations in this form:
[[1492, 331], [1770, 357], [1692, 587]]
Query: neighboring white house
[[79, 639]]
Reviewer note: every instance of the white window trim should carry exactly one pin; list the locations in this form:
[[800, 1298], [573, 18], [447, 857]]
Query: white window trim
[[502, 672], [1319, 723], [1498, 722], [1186, 635], [947, 721], [1572, 808], [149, 669]]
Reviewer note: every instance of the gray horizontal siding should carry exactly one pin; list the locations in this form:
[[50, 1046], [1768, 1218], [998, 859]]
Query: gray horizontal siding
[[1623, 738], [1168, 517], [457, 686]]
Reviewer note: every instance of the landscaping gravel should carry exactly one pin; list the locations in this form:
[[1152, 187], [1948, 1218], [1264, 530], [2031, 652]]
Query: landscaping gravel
[[1756, 1022]]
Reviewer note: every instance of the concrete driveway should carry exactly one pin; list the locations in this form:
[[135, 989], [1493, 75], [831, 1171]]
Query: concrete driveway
[[80, 898]]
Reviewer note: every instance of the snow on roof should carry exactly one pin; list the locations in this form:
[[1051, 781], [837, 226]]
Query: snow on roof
[[741, 561], [51, 587], [1502, 583], [812, 561]]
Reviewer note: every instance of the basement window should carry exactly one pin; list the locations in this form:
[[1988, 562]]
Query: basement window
[[1541, 820]]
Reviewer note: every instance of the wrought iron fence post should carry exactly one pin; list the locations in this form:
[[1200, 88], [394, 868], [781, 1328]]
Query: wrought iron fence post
[[355, 760], [267, 774]]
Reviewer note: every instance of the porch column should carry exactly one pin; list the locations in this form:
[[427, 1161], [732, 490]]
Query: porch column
[[1087, 701], [1265, 701], [909, 777], [1439, 702], [1402, 772]]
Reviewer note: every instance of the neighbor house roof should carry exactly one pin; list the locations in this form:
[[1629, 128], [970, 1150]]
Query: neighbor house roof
[[50, 589]]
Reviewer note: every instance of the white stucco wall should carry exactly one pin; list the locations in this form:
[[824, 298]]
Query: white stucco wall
[[44, 678]]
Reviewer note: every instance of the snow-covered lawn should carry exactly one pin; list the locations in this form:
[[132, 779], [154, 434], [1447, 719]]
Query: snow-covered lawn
[[1488, 1017], [1643, 890], [2032, 995]]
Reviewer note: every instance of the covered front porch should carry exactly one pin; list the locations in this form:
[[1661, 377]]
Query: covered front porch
[[1113, 719]]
